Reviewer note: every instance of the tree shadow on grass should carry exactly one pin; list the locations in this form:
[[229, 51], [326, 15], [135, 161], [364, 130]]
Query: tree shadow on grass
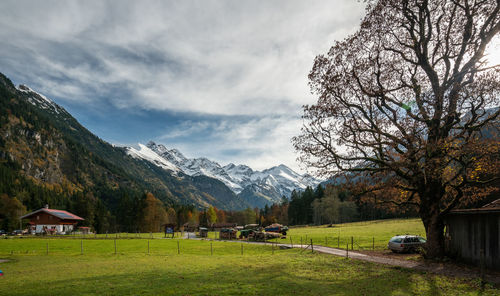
[[316, 275]]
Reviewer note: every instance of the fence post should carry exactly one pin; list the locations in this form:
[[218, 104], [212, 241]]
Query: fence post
[[211, 249], [178, 248], [291, 242], [148, 246], [347, 251], [115, 246], [352, 243], [81, 246], [312, 247], [373, 243]]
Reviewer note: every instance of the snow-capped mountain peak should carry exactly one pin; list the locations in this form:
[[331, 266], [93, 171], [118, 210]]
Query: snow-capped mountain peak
[[172, 155], [275, 182], [41, 101], [148, 154]]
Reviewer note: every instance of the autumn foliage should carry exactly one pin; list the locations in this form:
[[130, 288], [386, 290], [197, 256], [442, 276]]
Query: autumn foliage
[[407, 110]]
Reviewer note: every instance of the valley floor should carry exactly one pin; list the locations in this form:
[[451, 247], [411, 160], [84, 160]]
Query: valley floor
[[203, 267]]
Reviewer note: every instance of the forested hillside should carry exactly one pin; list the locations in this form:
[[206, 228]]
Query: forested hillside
[[47, 157]]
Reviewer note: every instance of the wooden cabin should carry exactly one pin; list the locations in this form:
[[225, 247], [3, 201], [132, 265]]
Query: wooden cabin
[[51, 221], [473, 235]]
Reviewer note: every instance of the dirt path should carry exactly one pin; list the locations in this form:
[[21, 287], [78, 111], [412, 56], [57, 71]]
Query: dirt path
[[446, 268]]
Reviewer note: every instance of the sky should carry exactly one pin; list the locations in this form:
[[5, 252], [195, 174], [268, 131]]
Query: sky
[[224, 80]]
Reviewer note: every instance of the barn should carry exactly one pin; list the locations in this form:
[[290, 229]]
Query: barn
[[473, 235], [51, 221]]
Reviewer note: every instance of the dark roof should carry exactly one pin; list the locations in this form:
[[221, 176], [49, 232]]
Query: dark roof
[[224, 225], [63, 215], [492, 207]]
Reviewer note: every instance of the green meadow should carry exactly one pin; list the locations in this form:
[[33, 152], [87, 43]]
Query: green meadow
[[365, 235], [203, 267]]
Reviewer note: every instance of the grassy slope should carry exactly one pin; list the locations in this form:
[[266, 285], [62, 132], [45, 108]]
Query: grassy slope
[[363, 233], [258, 272]]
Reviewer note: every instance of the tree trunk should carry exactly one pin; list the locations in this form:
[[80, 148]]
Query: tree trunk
[[434, 229]]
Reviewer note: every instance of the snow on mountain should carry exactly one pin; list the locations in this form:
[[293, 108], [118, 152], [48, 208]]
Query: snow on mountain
[[241, 174], [146, 153], [194, 167], [276, 181], [41, 101]]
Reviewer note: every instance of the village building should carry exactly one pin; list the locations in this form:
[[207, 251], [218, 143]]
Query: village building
[[473, 235], [51, 221]]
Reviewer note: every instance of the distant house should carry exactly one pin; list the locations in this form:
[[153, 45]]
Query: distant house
[[475, 233], [50, 221]]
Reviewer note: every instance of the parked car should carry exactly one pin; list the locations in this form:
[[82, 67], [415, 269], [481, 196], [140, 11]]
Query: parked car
[[277, 228], [2, 232], [406, 243], [17, 232]]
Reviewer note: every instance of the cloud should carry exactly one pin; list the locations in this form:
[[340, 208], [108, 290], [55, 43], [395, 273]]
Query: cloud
[[216, 57], [259, 142], [237, 68]]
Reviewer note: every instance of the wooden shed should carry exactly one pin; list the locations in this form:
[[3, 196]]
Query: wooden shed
[[475, 233], [220, 226]]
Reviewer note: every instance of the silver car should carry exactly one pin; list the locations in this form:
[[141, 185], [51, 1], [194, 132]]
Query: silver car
[[406, 243]]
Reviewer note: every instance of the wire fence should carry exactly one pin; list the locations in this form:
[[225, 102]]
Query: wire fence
[[176, 243], [57, 245], [358, 243]]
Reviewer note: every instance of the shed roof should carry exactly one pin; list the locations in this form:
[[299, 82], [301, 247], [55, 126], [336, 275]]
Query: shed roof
[[492, 207], [63, 215]]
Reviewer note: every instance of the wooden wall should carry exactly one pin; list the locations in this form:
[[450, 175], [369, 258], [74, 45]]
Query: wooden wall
[[467, 234], [45, 218]]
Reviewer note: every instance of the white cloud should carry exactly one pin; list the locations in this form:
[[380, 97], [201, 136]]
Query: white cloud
[[259, 142], [205, 57], [216, 57]]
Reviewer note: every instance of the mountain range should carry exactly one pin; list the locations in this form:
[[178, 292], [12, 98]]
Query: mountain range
[[257, 188], [47, 156]]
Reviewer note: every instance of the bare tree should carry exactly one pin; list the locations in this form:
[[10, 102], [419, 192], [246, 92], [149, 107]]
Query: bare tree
[[403, 103]]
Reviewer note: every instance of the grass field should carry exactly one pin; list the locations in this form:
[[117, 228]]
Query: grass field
[[365, 235], [197, 271]]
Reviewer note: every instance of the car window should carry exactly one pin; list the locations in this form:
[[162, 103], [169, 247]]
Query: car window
[[396, 240], [422, 240]]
